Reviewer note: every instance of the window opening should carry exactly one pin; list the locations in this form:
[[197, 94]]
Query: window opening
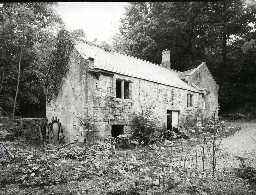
[[126, 90], [118, 88], [189, 100]]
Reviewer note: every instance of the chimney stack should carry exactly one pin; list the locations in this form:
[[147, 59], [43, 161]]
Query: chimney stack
[[91, 62], [166, 59]]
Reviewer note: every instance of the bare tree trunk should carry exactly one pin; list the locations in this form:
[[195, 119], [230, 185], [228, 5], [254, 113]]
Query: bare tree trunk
[[2, 82], [17, 87]]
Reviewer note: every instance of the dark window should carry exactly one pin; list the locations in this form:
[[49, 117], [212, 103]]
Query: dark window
[[118, 88], [117, 130], [189, 100], [169, 119], [122, 89], [198, 76], [126, 90]]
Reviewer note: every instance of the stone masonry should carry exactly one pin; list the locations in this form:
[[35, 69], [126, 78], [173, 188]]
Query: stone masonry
[[91, 95]]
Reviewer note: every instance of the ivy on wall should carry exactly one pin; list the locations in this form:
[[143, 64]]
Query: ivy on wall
[[59, 64]]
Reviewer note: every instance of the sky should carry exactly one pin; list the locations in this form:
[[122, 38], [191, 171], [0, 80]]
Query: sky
[[99, 20]]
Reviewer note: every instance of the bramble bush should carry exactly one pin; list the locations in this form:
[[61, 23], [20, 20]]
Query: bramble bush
[[190, 125], [146, 129], [100, 169], [196, 125]]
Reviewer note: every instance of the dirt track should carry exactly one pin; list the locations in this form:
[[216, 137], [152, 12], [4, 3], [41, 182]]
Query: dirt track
[[242, 142]]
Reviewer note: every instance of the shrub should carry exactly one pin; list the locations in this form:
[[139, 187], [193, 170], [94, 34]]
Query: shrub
[[247, 173], [146, 129], [189, 123], [218, 128], [196, 124], [123, 141], [88, 134], [31, 131], [212, 126]]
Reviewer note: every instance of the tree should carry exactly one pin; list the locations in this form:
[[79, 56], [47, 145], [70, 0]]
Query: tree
[[105, 45], [228, 18], [149, 28], [78, 35], [25, 27], [17, 88], [194, 32]]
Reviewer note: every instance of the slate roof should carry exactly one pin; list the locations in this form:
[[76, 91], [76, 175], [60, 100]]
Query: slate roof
[[191, 71], [131, 66]]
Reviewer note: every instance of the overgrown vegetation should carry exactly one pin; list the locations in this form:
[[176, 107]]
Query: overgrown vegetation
[[36, 49], [146, 129], [58, 67], [105, 168], [102, 169], [33, 131]]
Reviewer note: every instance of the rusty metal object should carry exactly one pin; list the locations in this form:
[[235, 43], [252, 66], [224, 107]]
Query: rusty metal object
[[55, 131]]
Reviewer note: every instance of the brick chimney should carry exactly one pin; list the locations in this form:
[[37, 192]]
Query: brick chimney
[[166, 59]]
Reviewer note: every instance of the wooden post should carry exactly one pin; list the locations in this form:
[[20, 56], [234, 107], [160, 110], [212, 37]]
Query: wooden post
[[163, 175], [203, 157]]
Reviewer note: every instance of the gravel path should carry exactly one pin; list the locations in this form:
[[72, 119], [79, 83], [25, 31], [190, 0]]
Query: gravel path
[[243, 141], [242, 144]]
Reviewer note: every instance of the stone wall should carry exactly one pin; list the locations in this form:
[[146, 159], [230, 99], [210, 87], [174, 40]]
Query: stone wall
[[109, 110], [91, 96], [203, 78], [70, 103]]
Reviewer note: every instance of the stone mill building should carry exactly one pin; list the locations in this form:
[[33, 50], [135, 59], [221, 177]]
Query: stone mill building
[[108, 89]]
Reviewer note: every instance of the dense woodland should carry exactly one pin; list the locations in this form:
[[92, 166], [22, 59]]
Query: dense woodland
[[35, 47]]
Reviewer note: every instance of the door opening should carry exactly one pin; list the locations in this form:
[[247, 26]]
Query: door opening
[[117, 130], [172, 119]]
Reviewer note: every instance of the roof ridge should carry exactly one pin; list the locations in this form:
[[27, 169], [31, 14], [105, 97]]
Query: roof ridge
[[130, 56], [190, 71], [125, 54], [134, 66]]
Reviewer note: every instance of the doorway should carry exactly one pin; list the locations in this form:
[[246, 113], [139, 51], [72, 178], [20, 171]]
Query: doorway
[[117, 130], [172, 119]]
